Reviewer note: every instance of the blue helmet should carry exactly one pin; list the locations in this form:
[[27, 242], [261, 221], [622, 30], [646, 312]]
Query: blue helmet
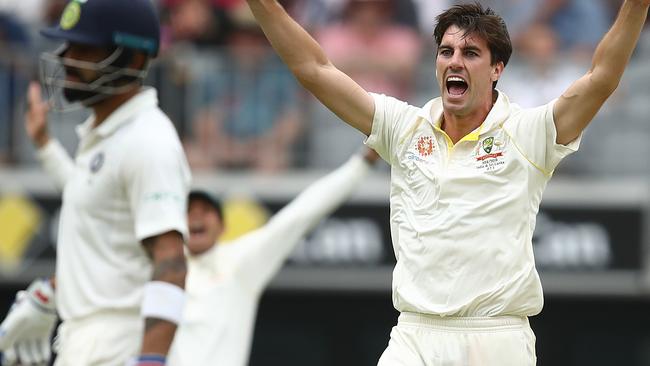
[[122, 27], [131, 24]]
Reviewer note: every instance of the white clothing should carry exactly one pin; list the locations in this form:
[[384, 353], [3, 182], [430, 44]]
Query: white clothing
[[102, 339], [462, 217], [128, 182], [421, 340], [224, 284]]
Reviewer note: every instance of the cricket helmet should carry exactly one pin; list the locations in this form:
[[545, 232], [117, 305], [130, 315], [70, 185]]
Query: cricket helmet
[[123, 27]]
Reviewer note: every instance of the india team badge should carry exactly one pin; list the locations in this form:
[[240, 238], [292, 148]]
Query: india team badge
[[97, 162], [71, 15]]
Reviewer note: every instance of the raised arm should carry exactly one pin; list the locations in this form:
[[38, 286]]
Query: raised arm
[[579, 104], [261, 253], [55, 160], [312, 68]]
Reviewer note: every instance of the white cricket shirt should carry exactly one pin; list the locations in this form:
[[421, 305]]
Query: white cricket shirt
[[224, 284], [462, 217], [129, 181]]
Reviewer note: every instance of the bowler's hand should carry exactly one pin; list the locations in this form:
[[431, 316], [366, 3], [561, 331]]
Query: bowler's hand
[[36, 116]]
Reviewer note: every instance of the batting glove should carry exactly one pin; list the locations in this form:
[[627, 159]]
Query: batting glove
[[26, 330]]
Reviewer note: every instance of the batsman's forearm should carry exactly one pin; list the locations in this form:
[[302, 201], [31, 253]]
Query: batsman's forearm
[[158, 336], [164, 296], [293, 44], [172, 270], [615, 49], [159, 333]]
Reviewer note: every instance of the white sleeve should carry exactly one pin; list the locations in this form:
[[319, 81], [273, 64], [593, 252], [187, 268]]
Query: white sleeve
[[535, 134], [386, 125], [262, 252], [56, 162], [157, 180]]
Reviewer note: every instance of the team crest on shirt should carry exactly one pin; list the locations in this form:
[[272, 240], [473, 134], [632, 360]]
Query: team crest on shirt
[[490, 155], [97, 162], [488, 143], [425, 146]]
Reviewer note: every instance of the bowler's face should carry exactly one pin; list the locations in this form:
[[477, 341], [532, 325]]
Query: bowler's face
[[204, 224], [464, 72]]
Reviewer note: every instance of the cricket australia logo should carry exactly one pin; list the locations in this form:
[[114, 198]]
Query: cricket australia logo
[[425, 146], [490, 150], [487, 144], [490, 155]]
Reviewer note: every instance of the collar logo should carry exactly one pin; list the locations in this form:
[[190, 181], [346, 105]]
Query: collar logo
[[488, 143], [97, 162], [425, 146], [71, 15]]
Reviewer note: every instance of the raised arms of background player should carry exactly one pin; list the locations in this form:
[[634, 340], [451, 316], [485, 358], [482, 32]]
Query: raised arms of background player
[[257, 256]]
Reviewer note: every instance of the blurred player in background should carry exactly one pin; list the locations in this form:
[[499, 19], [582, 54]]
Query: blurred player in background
[[225, 280], [120, 268], [468, 172]]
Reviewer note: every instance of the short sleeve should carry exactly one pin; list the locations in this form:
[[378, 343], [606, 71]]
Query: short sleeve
[[157, 183], [535, 135], [386, 125]]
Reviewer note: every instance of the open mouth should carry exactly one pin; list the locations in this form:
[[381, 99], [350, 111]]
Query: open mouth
[[456, 85], [197, 229]]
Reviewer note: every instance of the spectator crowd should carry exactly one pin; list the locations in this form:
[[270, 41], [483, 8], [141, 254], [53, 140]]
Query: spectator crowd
[[237, 107]]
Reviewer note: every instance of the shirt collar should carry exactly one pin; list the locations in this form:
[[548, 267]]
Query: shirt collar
[[147, 98], [432, 113]]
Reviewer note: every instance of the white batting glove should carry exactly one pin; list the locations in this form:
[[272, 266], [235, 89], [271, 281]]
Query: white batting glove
[[28, 353], [25, 332]]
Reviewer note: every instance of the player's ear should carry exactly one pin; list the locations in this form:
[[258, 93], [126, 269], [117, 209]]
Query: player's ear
[[497, 70]]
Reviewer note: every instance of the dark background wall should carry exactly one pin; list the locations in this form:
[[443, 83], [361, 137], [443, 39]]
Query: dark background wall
[[328, 328], [344, 329]]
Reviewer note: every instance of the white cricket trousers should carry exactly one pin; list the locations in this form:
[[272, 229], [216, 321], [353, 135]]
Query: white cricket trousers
[[103, 339], [428, 340]]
